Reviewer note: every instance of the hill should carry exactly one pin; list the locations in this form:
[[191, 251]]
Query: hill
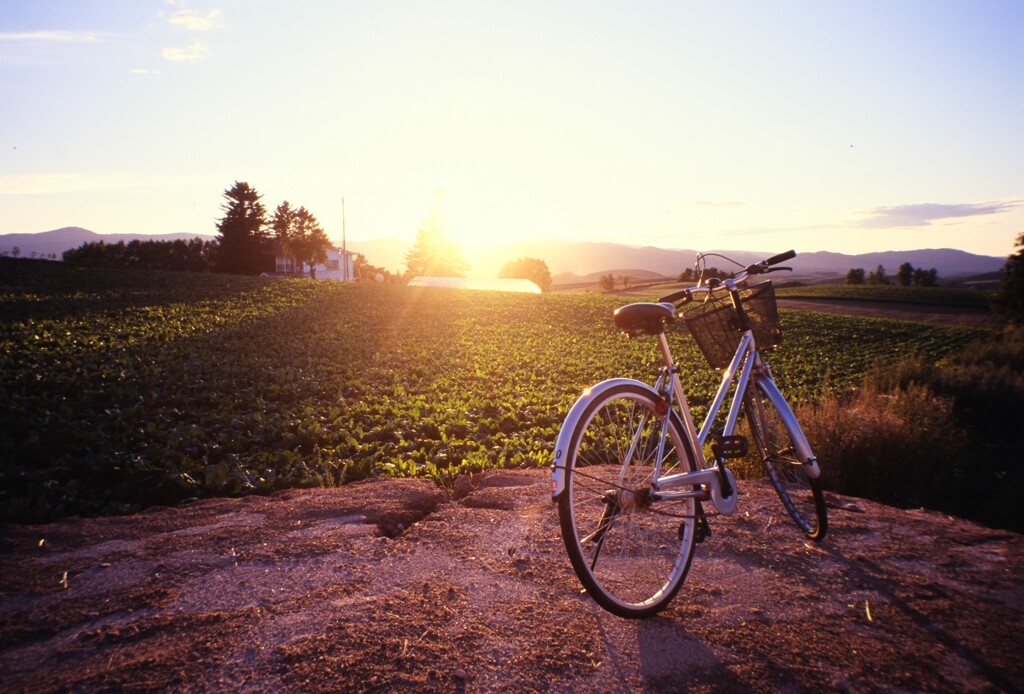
[[581, 259]]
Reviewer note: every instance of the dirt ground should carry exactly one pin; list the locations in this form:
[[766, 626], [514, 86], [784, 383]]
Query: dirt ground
[[394, 585]]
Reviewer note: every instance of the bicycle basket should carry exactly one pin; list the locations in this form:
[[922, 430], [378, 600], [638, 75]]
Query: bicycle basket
[[715, 330]]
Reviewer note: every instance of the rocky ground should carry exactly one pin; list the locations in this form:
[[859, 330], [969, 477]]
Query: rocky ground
[[394, 585]]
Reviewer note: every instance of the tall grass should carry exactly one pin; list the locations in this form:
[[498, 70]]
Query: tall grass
[[946, 436]]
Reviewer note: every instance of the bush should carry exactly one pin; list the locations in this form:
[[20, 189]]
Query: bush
[[946, 437]]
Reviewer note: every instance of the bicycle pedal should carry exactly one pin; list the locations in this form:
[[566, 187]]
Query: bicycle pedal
[[726, 447]]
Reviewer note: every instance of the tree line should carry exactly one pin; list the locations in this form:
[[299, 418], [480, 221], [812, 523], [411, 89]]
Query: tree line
[[906, 276], [193, 255], [247, 243]]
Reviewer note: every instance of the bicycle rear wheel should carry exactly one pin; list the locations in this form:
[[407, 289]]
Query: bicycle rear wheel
[[630, 550], [773, 438]]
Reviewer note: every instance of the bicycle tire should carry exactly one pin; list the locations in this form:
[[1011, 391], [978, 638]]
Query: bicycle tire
[[637, 563], [773, 440]]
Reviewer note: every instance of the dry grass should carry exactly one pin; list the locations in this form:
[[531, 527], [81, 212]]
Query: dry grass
[[946, 437]]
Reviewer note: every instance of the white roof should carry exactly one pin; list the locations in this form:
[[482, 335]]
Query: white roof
[[493, 284]]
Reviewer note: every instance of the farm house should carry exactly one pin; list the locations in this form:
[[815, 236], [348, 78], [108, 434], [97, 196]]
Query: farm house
[[340, 265]]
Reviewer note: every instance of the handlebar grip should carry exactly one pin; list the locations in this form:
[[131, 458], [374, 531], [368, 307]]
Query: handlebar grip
[[780, 258], [676, 296]]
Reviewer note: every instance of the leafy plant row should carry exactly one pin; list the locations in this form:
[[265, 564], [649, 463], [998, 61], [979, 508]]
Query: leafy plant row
[[126, 389]]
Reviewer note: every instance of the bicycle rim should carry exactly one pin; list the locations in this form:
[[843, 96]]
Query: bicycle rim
[[801, 495], [630, 550]]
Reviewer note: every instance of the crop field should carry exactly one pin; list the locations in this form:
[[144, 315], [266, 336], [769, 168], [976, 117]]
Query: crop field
[[126, 389], [932, 296]]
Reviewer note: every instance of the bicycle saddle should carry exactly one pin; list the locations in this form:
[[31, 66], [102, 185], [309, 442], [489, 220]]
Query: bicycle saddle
[[644, 318]]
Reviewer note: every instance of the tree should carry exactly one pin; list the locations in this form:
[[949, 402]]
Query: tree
[[307, 241], [926, 278], [855, 276], [533, 269], [300, 235], [281, 222], [366, 271], [241, 232], [1009, 298], [433, 255], [192, 255], [878, 276], [905, 275], [607, 282]]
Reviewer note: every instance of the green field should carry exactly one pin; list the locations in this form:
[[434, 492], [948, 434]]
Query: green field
[[126, 389], [930, 296]]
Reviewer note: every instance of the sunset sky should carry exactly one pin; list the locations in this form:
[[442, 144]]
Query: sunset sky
[[816, 125]]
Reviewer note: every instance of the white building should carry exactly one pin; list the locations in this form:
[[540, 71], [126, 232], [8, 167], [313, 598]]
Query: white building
[[340, 265]]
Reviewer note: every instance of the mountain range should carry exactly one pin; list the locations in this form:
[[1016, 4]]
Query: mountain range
[[566, 259], [584, 259]]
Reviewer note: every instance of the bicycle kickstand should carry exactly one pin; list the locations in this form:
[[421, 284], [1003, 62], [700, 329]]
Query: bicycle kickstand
[[703, 527]]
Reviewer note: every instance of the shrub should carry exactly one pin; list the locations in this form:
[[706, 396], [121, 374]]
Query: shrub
[[944, 436]]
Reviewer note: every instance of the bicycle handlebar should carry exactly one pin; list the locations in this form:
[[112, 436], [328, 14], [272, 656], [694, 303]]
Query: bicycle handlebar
[[685, 296]]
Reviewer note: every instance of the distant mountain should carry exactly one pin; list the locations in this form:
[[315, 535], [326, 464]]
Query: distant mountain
[[589, 258], [47, 243], [581, 259]]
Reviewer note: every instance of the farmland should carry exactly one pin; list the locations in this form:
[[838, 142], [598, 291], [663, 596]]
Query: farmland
[[128, 389]]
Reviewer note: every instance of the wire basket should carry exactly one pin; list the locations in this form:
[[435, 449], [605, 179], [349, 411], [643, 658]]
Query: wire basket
[[714, 326]]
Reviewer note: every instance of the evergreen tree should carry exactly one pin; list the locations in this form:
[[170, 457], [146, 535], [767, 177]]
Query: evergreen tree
[[878, 276], [241, 232], [905, 275], [433, 255]]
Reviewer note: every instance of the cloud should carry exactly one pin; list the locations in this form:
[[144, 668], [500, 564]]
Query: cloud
[[715, 204], [143, 71], [193, 20], [923, 214], [189, 55], [50, 36]]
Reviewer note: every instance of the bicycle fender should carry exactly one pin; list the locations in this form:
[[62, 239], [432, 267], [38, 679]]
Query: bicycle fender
[[564, 442], [803, 448]]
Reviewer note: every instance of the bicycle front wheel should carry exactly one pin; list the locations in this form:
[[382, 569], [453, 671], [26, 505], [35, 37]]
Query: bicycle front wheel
[[774, 440], [630, 549]]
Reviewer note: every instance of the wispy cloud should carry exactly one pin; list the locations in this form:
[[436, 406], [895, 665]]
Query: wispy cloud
[[715, 204], [194, 20], [50, 37], [189, 55], [923, 214]]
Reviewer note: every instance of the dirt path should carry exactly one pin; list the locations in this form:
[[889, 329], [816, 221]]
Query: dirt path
[[947, 315], [390, 585]]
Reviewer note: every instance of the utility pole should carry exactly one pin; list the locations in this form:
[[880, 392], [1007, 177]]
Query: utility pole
[[344, 247]]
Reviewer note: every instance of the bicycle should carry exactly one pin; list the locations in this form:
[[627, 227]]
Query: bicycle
[[630, 473]]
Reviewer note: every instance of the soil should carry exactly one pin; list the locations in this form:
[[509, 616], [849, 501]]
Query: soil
[[391, 585]]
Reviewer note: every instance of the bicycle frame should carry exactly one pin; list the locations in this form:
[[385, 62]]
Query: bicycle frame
[[746, 365]]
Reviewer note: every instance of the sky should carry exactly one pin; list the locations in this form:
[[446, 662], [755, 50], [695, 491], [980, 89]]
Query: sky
[[816, 125]]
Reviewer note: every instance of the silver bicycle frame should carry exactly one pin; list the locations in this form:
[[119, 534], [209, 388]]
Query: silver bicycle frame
[[742, 362]]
